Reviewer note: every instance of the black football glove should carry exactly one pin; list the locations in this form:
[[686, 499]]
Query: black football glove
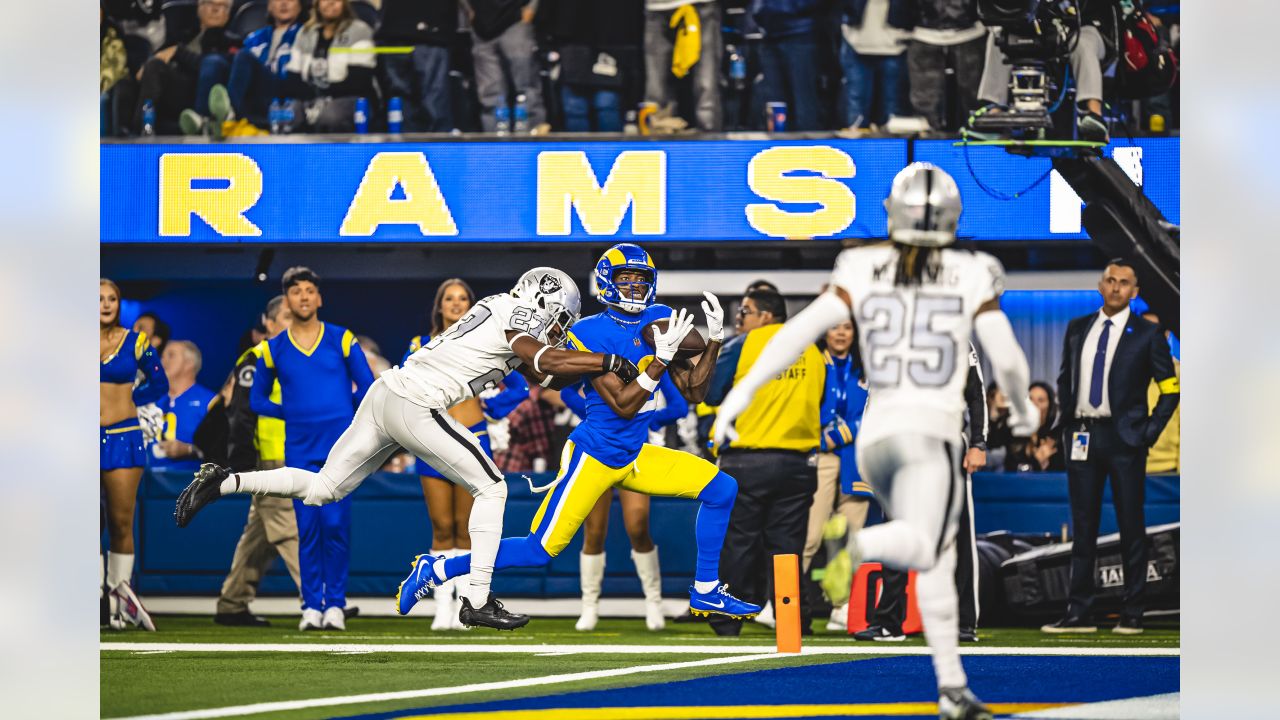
[[622, 367]]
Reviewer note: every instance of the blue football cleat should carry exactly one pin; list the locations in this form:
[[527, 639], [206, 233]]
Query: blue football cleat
[[418, 585], [720, 602]]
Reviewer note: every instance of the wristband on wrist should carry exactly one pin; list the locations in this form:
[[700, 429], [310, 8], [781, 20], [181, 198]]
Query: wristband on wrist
[[538, 357], [647, 382]]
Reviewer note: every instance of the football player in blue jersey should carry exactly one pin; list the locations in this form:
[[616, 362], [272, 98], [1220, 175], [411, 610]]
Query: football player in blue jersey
[[609, 448]]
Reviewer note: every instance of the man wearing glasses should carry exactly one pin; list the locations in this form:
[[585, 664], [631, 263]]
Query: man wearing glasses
[[773, 455]]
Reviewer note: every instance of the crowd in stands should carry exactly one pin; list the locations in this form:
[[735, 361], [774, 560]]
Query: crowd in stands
[[218, 67]]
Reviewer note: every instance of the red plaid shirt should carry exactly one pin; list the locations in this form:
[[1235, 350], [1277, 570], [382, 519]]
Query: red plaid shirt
[[531, 427]]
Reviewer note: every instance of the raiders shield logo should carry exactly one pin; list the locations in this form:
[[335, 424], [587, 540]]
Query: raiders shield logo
[[548, 285]]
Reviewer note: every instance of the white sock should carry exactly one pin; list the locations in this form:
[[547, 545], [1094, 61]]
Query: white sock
[[485, 526], [437, 567], [119, 568], [706, 587], [936, 598], [281, 482]]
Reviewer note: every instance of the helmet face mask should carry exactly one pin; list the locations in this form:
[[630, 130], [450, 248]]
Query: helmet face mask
[[923, 206], [624, 295]]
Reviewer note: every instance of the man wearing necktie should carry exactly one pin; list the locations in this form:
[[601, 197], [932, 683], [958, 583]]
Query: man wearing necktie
[[1109, 359]]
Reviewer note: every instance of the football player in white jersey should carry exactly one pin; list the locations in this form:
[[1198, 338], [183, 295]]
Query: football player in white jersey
[[914, 302], [406, 408]]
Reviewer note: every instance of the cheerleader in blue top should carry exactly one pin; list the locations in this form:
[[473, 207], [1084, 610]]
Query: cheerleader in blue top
[[124, 357], [449, 505]]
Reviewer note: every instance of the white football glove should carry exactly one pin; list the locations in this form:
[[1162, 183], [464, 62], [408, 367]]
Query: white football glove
[[666, 343], [715, 317], [151, 417]]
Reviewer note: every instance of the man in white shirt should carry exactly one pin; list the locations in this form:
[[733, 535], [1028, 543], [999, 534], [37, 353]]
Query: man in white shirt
[[1109, 359], [873, 57]]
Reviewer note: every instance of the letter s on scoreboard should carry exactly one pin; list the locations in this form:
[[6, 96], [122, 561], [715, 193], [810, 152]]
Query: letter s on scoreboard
[[767, 177]]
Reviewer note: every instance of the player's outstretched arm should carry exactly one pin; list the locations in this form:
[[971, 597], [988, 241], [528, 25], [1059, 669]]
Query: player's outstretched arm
[[546, 360], [830, 308], [693, 379], [1009, 363], [627, 398]]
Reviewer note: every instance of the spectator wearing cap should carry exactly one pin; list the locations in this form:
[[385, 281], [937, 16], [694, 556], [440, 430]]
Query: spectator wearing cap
[[947, 34], [502, 49], [667, 57], [1109, 358], [170, 80], [184, 407], [772, 457], [421, 33]]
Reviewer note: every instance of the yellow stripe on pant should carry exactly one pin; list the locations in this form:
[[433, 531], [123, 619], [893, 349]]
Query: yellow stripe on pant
[[582, 480]]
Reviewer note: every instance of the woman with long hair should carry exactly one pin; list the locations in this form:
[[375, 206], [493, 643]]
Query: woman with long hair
[[331, 67], [449, 505], [123, 356]]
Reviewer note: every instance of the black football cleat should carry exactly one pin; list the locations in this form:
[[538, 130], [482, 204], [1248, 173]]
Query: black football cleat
[[204, 489], [244, 618], [492, 615], [961, 704]]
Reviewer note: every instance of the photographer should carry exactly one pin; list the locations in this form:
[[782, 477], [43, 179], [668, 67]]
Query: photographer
[[1093, 50]]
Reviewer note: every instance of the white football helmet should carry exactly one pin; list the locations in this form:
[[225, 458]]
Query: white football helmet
[[923, 206], [556, 295]]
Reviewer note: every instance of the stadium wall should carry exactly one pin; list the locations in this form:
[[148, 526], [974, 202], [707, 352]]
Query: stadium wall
[[390, 526]]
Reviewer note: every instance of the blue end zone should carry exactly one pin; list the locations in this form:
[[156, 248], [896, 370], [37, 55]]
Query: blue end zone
[[995, 679]]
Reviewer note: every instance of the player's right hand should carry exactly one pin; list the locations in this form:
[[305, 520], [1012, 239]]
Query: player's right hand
[[667, 342]]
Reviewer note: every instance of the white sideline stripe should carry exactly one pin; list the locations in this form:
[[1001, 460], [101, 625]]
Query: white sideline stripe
[[283, 705], [860, 649], [1151, 707]]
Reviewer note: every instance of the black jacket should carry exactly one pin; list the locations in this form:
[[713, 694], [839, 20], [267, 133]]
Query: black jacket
[[417, 22], [242, 421], [1142, 355], [901, 13], [946, 14]]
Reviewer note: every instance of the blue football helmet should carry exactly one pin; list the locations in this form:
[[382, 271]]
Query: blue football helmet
[[626, 256]]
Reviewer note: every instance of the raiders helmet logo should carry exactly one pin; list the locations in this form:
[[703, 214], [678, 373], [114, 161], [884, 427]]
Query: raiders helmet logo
[[548, 285]]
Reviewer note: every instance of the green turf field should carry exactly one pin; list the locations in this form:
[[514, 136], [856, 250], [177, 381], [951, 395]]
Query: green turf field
[[149, 678]]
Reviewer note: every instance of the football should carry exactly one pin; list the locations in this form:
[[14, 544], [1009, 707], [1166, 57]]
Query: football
[[691, 347]]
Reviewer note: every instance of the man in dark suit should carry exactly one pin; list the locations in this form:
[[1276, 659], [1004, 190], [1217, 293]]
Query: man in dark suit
[[1109, 358]]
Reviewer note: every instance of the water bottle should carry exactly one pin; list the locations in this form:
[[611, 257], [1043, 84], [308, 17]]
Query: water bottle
[[287, 106], [276, 116], [395, 115], [521, 125], [362, 115], [737, 68], [148, 118], [502, 119]]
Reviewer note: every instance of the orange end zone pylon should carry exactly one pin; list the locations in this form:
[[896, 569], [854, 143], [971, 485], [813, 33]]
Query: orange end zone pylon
[[786, 602]]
